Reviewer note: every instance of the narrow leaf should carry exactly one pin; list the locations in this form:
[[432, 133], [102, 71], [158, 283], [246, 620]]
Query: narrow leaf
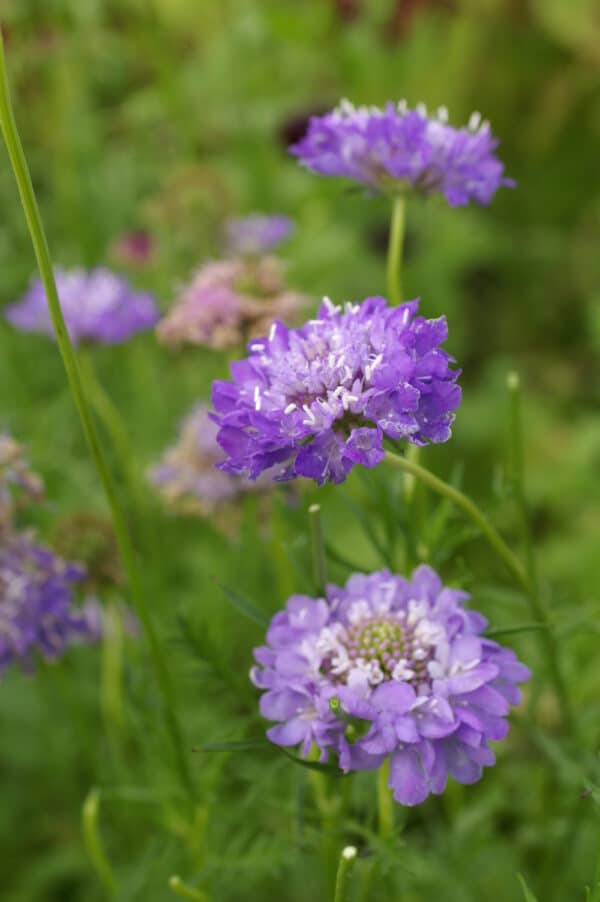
[[236, 745], [510, 630], [529, 897], [246, 607], [330, 769]]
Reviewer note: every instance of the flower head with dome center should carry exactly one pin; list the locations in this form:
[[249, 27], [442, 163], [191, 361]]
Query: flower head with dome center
[[388, 667], [98, 306], [394, 150], [315, 401]]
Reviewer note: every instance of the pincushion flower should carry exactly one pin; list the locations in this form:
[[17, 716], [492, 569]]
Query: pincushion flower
[[98, 306], [257, 233], [317, 400], [37, 612], [395, 150], [388, 667], [186, 477], [228, 302]]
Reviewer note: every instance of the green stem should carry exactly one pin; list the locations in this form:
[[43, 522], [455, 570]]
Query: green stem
[[42, 253], [518, 483], [594, 895], [318, 549], [470, 508], [180, 888], [105, 409], [394, 258], [93, 843], [518, 470], [385, 804], [111, 693], [510, 560], [347, 859]]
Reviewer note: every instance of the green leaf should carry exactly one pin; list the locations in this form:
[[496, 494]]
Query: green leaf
[[235, 745], [246, 607], [330, 769], [510, 630], [529, 897]]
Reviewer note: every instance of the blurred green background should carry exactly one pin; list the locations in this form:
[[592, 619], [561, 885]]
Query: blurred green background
[[167, 116]]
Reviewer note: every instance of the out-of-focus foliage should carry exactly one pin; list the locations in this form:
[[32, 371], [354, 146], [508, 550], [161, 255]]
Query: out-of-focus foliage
[[167, 116]]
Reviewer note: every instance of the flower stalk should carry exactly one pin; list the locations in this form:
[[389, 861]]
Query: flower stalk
[[347, 859], [395, 247], [318, 549], [510, 560], [93, 843], [42, 254]]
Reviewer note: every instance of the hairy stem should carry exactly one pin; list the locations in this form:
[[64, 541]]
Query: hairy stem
[[42, 253], [511, 561]]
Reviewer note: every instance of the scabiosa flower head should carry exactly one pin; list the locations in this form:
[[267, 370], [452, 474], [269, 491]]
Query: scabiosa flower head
[[37, 613], [394, 150], [98, 306], [228, 302], [257, 233], [317, 400], [389, 667], [186, 477]]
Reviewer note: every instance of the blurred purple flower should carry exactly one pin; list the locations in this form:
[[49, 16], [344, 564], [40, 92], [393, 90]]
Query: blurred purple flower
[[186, 477], [395, 150], [257, 233], [316, 401], [228, 302], [37, 614], [388, 667], [98, 306]]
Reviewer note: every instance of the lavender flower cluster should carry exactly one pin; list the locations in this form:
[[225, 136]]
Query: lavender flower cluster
[[187, 478], [37, 614], [37, 609], [317, 400], [98, 306], [395, 149], [257, 233], [387, 667]]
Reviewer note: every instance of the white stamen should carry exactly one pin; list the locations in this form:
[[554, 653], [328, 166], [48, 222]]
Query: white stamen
[[474, 121], [289, 408], [257, 398], [310, 415]]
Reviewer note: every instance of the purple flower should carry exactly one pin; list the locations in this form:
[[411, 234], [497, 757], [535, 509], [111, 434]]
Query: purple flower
[[257, 233], [37, 614], [316, 401], [393, 150], [97, 306], [186, 477], [388, 667]]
